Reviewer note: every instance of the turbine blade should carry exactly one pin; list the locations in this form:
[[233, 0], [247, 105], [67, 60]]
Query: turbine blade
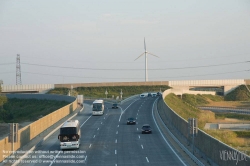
[[145, 45], [139, 56], [153, 55]]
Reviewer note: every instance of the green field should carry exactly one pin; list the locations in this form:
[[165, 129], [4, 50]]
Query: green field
[[21, 110]]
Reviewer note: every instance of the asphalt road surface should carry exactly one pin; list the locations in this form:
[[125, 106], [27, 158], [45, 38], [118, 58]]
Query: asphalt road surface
[[108, 141]]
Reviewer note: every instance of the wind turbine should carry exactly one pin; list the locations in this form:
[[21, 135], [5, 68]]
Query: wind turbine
[[146, 60]]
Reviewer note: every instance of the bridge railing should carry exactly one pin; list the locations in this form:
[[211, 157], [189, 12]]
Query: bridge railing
[[37, 87]]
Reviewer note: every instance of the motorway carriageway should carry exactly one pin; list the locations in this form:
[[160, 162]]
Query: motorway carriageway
[[108, 141]]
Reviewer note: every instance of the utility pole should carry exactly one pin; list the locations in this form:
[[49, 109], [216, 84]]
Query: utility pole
[[18, 70], [1, 83], [106, 93], [121, 94]]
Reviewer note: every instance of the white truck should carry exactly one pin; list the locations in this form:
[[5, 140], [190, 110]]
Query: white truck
[[80, 100]]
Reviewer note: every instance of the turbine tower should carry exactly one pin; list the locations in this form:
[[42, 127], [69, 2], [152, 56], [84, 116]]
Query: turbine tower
[[146, 60]]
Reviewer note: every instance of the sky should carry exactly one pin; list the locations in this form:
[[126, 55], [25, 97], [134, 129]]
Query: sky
[[83, 41]]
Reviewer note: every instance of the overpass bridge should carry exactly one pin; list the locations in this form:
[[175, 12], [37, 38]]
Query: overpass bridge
[[182, 86], [35, 88]]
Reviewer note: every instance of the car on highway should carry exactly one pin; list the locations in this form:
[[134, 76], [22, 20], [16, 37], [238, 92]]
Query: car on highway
[[158, 94], [149, 95], [143, 95], [114, 105], [153, 94], [131, 121], [146, 129]]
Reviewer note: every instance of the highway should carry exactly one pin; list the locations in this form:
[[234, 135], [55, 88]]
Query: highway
[[108, 141]]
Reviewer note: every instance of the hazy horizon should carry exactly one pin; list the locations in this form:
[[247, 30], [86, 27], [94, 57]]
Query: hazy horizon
[[91, 41]]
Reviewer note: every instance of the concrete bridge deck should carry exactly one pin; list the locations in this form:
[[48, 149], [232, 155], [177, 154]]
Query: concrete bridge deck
[[182, 85]]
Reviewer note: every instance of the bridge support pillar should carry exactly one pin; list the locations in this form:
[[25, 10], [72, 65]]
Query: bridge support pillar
[[229, 88]]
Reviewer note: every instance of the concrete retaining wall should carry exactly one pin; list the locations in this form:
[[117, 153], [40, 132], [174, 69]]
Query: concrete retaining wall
[[183, 91], [29, 132], [215, 151], [234, 126]]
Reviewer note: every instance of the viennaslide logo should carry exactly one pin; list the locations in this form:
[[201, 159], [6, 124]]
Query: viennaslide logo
[[237, 156]]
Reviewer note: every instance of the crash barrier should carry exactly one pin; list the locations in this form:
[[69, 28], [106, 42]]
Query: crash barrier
[[206, 146], [29, 132]]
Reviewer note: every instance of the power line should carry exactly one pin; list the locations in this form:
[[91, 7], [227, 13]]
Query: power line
[[7, 63], [199, 75], [75, 76], [180, 60], [7, 72], [174, 68], [210, 74]]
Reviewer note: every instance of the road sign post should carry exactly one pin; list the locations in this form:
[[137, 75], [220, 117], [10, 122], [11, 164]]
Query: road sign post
[[121, 94], [13, 135], [106, 93], [193, 129]]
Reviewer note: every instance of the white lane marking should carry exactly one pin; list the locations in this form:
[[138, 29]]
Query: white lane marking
[[85, 121], [104, 118], [115, 152], [55, 158], [115, 164], [90, 145], [137, 129], [101, 122], [116, 141], [147, 159], [98, 129], [142, 146], [85, 158], [136, 117], [94, 136], [125, 109], [139, 136], [116, 132], [118, 126], [163, 136], [106, 114]]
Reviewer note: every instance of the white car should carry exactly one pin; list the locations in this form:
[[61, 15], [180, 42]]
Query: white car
[[153, 94], [143, 95]]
